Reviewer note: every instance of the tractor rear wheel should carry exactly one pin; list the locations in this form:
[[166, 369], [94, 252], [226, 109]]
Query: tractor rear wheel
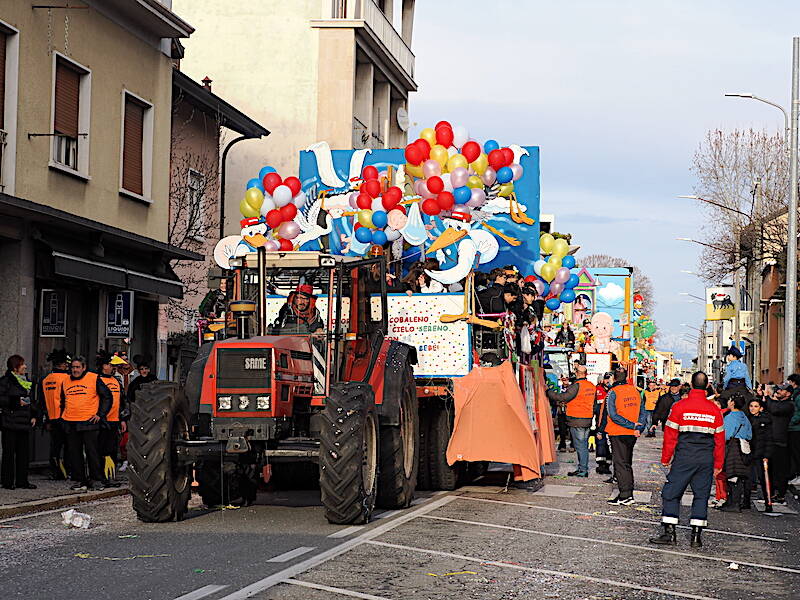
[[439, 427], [160, 483], [348, 453], [399, 451]]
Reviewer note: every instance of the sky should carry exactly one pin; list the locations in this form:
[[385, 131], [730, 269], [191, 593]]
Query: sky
[[618, 95]]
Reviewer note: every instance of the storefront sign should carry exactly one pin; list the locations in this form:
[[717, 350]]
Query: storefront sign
[[53, 314], [119, 314], [720, 305], [597, 364]]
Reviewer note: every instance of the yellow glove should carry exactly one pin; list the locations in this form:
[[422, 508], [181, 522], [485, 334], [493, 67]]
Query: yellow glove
[[62, 468], [110, 469], [591, 442]]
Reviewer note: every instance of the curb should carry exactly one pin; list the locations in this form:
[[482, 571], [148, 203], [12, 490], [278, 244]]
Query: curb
[[24, 508]]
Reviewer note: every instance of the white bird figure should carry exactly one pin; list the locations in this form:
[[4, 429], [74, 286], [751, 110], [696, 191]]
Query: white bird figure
[[519, 152], [473, 247], [327, 173], [308, 220]]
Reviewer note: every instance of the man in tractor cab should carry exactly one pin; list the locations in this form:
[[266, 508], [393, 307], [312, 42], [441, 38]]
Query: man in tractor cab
[[300, 313]]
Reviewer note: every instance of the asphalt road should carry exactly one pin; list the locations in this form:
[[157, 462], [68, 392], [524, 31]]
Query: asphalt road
[[563, 541]]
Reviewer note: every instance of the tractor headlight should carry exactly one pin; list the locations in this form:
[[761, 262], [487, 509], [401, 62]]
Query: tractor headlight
[[262, 402], [224, 402], [244, 402]]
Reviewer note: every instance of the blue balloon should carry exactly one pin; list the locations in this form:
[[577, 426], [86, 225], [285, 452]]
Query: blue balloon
[[265, 170], [553, 303], [255, 183], [504, 175], [363, 235], [567, 296], [546, 289], [490, 145], [378, 236], [572, 282], [379, 219], [462, 194], [568, 261]]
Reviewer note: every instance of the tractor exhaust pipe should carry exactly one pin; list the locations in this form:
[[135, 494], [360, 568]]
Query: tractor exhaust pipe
[[242, 309], [261, 324]]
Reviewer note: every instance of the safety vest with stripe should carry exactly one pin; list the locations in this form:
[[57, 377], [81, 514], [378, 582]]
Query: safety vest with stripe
[[80, 399], [51, 389], [650, 399], [628, 403], [114, 386], [582, 406]]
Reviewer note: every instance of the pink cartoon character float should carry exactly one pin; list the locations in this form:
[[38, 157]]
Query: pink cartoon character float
[[602, 327]]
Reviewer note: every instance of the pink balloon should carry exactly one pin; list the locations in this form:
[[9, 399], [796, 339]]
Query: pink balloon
[[271, 245], [517, 170], [430, 168], [477, 199], [562, 275], [352, 200], [289, 230], [489, 176], [556, 288], [421, 187], [539, 285], [458, 177]]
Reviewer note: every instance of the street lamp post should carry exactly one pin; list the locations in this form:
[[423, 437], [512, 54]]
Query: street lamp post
[[786, 128]]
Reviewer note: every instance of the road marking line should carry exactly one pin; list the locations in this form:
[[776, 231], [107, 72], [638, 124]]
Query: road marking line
[[202, 592], [287, 556], [575, 512], [610, 543], [313, 561], [346, 531], [335, 590], [387, 513], [504, 565]]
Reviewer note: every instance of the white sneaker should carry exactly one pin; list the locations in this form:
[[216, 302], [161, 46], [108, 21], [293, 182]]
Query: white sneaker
[[124, 466], [795, 481]]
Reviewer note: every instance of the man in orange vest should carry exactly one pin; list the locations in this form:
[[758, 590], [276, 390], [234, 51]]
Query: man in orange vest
[[85, 401], [579, 401], [651, 396], [626, 415], [50, 392]]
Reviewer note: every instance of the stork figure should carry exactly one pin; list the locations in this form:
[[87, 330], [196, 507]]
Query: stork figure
[[308, 220], [468, 247]]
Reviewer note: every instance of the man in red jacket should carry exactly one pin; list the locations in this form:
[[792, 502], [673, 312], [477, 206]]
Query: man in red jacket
[[694, 446]]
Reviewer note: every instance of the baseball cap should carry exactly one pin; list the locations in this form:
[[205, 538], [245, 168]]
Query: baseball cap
[[674, 382], [784, 386]]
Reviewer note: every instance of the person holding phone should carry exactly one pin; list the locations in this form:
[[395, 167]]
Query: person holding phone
[[17, 417]]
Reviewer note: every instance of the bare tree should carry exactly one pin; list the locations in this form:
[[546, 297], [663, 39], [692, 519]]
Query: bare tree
[[641, 282]]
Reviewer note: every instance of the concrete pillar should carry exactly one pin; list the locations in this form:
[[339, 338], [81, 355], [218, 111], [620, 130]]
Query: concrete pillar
[[408, 21], [397, 137], [335, 97], [381, 108], [362, 104]]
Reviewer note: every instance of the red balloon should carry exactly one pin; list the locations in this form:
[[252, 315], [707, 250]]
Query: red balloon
[[444, 136], [364, 201], [271, 181], [369, 172], [431, 207], [372, 187], [471, 151], [508, 155], [496, 159], [442, 124], [413, 154], [288, 212], [445, 200], [424, 147], [286, 245], [435, 184], [392, 196], [530, 279], [274, 218], [293, 183]]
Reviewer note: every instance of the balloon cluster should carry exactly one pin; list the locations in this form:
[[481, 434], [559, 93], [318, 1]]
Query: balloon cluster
[[555, 282], [276, 201], [377, 208], [453, 169]]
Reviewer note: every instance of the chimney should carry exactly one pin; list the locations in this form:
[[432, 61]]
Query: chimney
[[207, 81]]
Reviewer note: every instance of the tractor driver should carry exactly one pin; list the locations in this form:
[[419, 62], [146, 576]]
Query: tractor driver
[[299, 314]]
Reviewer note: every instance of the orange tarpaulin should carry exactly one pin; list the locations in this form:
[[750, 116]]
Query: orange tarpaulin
[[491, 422]]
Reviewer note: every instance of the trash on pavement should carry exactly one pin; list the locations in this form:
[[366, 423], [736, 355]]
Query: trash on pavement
[[733, 566], [199, 570], [454, 573], [87, 555], [73, 518], [127, 536]]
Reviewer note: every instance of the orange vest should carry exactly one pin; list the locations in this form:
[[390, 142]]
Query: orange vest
[[112, 383], [81, 401], [51, 389], [650, 399], [582, 406], [628, 402]]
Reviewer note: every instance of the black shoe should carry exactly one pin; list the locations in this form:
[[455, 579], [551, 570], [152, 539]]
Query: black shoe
[[603, 470], [577, 474], [779, 500], [611, 479], [113, 483], [571, 449], [697, 540], [650, 435], [560, 449], [96, 486], [79, 487], [621, 501], [729, 506], [669, 537], [9, 487]]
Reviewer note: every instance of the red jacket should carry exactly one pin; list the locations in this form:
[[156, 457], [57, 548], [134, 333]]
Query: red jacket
[[697, 419]]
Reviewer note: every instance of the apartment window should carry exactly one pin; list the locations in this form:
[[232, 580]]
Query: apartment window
[[9, 80], [137, 142], [71, 117], [196, 213]]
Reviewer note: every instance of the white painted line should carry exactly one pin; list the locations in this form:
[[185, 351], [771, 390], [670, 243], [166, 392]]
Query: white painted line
[[346, 531], [202, 592], [505, 565], [334, 590], [387, 513], [416, 501], [601, 516], [579, 538], [287, 556], [291, 571]]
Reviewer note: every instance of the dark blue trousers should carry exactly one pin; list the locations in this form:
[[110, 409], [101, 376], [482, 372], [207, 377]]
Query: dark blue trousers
[[688, 470]]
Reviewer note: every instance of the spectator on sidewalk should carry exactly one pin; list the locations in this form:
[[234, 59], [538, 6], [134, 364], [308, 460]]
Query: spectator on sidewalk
[[85, 401], [794, 431], [578, 399], [664, 404], [18, 413], [114, 423], [602, 451], [693, 449], [781, 409], [50, 399], [625, 423], [651, 396], [145, 376], [736, 372], [760, 448], [738, 434]]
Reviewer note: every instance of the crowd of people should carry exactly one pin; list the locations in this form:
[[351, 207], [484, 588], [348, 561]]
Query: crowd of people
[[84, 413]]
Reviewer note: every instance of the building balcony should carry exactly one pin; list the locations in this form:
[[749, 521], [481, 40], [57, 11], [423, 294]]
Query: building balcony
[[747, 321]]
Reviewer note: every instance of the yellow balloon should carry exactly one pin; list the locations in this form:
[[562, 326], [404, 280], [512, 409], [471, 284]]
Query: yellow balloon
[[456, 161], [548, 272], [555, 260], [247, 210], [480, 164], [561, 247], [474, 182], [506, 189], [429, 135], [415, 170], [439, 154], [365, 217], [546, 243], [254, 197]]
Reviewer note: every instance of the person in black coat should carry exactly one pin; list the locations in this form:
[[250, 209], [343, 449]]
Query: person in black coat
[[760, 447], [18, 415], [664, 404], [781, 410]]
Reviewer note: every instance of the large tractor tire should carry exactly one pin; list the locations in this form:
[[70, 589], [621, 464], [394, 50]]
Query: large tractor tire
[[399, 450], [229, 484], [348, 454], [160, 483], [437, 425]]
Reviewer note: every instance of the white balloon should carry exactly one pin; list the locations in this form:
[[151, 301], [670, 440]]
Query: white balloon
[[448, 185], [267, 205], [300, 200], [282, 195], [391, 234], [537, 266], [377, 203], [452, 150], [460, 136]]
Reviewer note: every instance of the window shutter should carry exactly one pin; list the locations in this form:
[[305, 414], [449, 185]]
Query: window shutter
[[132, 146], [68, 82], [3, 40]]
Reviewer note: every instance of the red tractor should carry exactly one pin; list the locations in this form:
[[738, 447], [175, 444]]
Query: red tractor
[[319, 384]]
